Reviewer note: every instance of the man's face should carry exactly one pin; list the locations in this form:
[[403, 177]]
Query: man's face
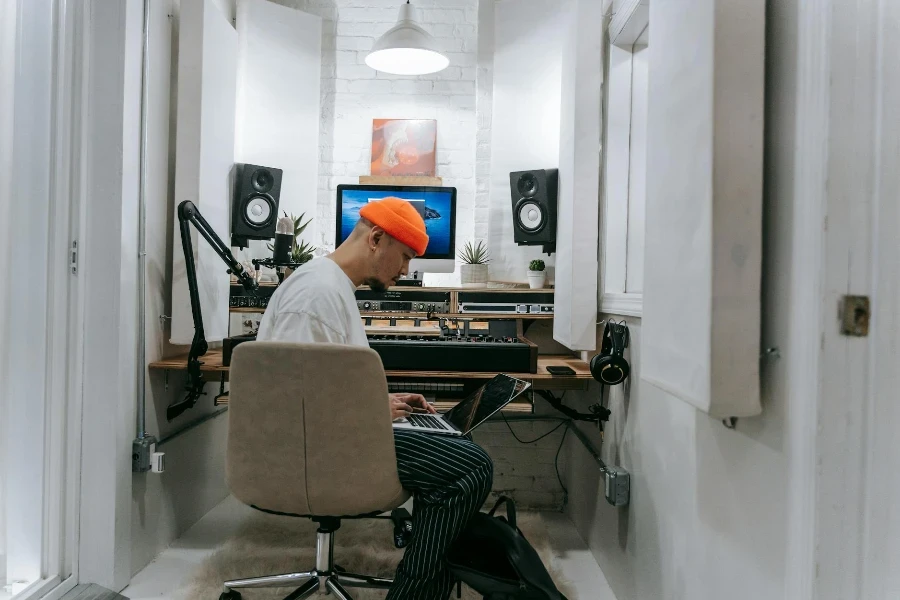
[[390, 261]]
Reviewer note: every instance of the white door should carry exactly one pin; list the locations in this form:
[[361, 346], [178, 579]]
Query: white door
[[37, 508], [881, 515]]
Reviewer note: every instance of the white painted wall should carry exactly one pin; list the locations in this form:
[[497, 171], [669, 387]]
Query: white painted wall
[[708, 504], [163, 506], [109, 275], [525, 122]]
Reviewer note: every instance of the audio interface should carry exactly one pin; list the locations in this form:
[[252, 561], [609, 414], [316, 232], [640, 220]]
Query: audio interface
[[520, 303], [241, 298], [403, 301]]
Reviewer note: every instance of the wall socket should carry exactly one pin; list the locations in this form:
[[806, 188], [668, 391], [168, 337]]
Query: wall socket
[[617, 485]]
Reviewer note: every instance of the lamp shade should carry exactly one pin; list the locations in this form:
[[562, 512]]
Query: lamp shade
[[406, 48]]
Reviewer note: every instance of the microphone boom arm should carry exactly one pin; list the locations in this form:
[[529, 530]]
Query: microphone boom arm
[[189, 214]]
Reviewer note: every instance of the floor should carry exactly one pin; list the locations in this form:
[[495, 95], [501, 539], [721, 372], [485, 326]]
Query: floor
[[92, 592], [162, 577]]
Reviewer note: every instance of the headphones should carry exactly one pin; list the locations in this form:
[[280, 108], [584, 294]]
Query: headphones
[[610, 367]]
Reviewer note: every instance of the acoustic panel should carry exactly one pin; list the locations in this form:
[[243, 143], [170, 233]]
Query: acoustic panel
[[701, 314], [278, 99], [204, 157], [575, 311]]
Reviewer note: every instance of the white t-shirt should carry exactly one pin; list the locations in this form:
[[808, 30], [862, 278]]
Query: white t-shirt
[[316, 303]]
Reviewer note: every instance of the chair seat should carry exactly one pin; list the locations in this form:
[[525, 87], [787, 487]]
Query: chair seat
[[399, 500]]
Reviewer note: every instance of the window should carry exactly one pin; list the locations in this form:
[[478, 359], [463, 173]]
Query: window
[[624, 163]]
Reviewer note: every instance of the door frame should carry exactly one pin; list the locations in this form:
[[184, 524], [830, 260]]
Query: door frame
[[843, 455], [880, 544]]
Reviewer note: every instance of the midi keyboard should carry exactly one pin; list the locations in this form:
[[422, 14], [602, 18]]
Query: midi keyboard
[[476, 354]]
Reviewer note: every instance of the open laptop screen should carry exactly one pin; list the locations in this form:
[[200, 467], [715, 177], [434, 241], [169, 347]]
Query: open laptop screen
[[485, 401]]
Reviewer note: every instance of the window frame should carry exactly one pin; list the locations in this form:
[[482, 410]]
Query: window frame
[[624, 35]]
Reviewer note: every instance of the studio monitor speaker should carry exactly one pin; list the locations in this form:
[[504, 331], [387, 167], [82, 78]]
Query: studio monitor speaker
[[254, 211], [534, 207]]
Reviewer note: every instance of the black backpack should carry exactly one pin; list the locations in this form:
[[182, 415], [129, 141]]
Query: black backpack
[[493, 558]]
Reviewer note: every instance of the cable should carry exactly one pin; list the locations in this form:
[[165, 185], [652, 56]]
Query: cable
[[567, 423], [521, 441], [556, 466]]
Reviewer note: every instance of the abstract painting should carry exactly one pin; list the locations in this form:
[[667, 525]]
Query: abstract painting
[[404, 147]]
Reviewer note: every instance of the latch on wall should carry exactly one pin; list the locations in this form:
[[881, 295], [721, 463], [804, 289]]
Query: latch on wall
[[855, 315]]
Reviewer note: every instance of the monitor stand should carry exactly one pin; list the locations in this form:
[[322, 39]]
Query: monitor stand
[[415, 279]]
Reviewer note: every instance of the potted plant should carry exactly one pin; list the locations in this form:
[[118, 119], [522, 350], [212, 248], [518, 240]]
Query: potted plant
[[536, 274], [301, 252], [474, 270]]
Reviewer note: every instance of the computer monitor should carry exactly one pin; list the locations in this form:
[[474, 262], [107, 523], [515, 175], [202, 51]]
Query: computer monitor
[[437, 205]]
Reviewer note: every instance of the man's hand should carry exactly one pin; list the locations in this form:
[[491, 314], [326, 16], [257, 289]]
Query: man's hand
[[402, 405]]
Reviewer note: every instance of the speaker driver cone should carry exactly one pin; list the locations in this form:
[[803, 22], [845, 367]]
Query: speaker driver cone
[[530, 215], [527, 185], [258, 212]]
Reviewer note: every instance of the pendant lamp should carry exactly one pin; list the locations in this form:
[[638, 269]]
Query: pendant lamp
[[406, 48]]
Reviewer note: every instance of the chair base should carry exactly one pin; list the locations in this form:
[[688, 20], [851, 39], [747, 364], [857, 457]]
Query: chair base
[[326, 578]]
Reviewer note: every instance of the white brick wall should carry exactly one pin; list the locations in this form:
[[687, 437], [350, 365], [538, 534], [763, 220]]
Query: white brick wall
[[353, 95]]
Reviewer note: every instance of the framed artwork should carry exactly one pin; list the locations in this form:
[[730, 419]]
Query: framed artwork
[[404, 147]]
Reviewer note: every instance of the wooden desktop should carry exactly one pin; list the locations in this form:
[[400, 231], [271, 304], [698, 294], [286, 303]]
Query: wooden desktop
[[409, 323]]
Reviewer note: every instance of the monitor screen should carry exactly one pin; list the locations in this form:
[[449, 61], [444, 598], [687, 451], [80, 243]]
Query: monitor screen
[[437, 205]]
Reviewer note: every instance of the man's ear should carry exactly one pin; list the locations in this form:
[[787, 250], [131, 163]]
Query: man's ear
[[376, 235]]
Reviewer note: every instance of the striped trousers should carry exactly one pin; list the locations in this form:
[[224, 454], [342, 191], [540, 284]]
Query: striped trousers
[[449, 478]]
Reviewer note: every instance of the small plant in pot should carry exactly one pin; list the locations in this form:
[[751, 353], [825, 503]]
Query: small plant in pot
[[536, 274], [474, 270]]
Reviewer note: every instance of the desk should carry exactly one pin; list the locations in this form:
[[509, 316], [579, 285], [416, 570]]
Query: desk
[[542, 380]]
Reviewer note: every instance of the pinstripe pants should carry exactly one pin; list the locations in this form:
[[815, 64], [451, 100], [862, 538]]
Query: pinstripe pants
[[450, 479]]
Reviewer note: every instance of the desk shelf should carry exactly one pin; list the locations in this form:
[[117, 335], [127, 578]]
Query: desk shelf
[[441, 406], [542, 380], [398, 315]]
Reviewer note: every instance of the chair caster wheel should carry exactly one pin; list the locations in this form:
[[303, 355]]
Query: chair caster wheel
[[230, 595]]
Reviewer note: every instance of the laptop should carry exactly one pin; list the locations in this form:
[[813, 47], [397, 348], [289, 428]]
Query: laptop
[[471, 412]]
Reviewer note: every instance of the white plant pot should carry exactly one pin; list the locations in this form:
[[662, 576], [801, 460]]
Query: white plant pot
[[473, 276], [536, 279]]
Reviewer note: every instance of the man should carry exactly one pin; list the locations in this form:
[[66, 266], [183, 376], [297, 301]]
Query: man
[[449, 478]]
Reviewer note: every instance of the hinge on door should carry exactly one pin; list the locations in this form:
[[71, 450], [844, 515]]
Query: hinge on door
[[855, 315], [74, 260]]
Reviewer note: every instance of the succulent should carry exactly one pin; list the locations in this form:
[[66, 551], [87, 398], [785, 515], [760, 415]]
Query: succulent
[[301, 252], [536, 265], [474, 255]]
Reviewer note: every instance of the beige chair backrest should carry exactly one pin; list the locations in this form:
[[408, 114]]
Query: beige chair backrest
[[309, 430]]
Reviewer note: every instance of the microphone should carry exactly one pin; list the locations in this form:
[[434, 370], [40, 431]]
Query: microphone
[[284, 241]]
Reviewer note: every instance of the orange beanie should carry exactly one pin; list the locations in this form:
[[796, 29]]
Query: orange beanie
[[400, 220]]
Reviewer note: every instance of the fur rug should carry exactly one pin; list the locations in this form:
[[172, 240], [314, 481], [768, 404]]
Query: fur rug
[[267, 545]]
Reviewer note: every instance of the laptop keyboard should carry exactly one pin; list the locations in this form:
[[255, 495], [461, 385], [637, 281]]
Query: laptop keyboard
[[428, 421]]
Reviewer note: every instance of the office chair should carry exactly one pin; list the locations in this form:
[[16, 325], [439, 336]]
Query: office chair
[[310, 435]]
